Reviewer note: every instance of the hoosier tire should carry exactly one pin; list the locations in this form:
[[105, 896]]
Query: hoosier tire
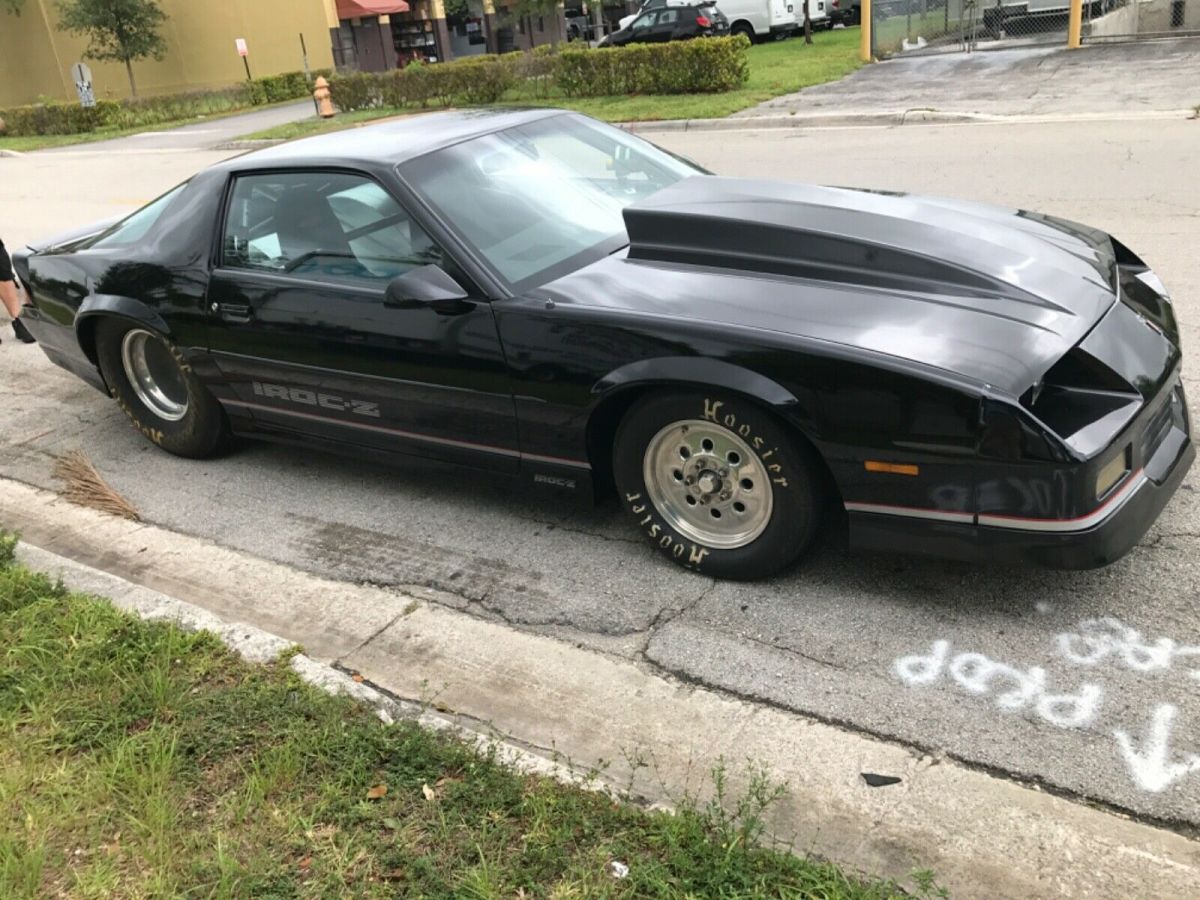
[[156, 388], [716, 483]]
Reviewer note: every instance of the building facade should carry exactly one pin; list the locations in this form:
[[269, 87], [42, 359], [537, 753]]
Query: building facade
[[36, 58], [280, 36]]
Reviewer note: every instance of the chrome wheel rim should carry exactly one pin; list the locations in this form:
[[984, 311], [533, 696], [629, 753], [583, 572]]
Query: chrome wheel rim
[[154, 374], [708, 484]]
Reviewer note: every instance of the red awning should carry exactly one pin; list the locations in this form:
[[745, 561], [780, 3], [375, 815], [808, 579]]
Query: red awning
[[356, 9]]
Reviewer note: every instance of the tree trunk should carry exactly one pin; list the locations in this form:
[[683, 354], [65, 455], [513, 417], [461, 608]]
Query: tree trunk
[[132, 83], [807, 24]]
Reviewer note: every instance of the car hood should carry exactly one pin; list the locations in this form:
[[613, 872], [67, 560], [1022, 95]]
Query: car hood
[[990, 294]]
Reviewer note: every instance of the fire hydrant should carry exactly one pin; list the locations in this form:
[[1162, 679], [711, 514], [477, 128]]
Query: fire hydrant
[[321, 98]]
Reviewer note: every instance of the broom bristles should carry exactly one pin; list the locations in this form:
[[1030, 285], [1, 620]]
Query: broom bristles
[[83, 485]]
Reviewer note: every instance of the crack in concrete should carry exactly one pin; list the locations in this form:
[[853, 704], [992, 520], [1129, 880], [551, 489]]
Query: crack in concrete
[[396, 618], [1180, 826], [669, 614]]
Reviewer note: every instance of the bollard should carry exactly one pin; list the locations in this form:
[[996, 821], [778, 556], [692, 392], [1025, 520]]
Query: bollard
[[321, 97]]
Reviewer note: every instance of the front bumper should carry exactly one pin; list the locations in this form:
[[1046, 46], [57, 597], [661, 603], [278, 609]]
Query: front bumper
[[1105, 539]]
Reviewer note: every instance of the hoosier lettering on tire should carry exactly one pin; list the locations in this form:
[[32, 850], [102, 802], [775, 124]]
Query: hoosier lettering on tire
[[716, 484], [155, 387]]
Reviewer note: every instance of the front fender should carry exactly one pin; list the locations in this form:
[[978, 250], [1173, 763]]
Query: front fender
[[701, 372], [96, 305]]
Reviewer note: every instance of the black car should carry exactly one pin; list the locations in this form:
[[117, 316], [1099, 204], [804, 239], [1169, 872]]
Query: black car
[[671, 23], [546, 297]]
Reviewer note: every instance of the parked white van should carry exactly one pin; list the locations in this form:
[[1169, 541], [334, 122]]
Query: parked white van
[[759, 20]]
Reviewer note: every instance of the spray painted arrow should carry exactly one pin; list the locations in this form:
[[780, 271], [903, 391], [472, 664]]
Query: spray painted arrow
[[1151, 767]]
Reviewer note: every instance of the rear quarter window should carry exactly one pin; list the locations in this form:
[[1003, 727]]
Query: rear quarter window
[[136, 226]]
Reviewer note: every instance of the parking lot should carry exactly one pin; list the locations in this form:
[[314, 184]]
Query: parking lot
[[1083, 682]]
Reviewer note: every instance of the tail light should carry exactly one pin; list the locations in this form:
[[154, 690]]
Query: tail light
[[703, 21]]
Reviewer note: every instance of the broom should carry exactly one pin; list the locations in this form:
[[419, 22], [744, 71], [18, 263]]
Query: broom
[[83, 485]]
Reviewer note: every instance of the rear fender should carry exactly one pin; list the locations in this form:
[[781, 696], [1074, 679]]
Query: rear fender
[[96, 305]]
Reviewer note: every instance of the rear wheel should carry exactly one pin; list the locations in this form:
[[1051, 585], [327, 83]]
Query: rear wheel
[[716, 484], [743, 28], [158, 391]]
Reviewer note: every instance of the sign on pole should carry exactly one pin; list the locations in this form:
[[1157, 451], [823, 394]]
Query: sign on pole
[[82, 76], [244, 53]]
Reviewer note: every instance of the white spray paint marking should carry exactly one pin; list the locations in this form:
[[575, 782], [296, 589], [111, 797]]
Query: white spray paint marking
[[1151, 766], [1010, 687], [1097, 639]]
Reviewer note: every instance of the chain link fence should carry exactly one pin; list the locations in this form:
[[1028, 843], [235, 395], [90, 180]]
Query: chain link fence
[[932, 26], [909, 26], [1126, 19]]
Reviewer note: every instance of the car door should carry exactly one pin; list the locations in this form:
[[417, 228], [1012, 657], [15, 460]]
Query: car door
[[641, 31], [307, 343], [664, 26]]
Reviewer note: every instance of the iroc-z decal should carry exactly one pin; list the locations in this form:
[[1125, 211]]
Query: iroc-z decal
[[315, 398]]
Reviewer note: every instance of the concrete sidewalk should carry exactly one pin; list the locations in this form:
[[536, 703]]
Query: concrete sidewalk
[[983, 836], [198, 136], [1120, 79]]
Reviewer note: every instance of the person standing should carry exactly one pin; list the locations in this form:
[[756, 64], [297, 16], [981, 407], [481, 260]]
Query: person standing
[[11, 297]]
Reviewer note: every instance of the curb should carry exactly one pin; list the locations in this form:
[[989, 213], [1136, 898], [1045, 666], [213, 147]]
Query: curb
[[240, 144], [10, 154], [655, 735], [255, 645], [886, 118]]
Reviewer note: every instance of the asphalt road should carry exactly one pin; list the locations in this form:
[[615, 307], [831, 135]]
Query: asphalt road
[[1085, 682], [1119, 78]]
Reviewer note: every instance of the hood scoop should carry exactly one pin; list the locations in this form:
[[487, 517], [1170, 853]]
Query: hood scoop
[[882, 241]]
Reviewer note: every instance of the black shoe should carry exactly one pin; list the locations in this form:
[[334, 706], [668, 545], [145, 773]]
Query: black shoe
[[22, 332]]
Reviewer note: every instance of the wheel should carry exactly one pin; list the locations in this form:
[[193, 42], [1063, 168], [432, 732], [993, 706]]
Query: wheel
[[156, 388], [716, 483], [743, 28]]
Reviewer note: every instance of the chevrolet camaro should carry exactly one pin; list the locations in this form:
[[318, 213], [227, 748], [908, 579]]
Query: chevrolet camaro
[[743, 362]]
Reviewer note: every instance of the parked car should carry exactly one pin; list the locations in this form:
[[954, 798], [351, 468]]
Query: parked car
[[671, 23], [759, 20], [845, 12], [744, 363]]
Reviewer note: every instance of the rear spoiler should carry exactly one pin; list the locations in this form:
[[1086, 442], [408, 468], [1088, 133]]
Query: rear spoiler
[[63, 238]]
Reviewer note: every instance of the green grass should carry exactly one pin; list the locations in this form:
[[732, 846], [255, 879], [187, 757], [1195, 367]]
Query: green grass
[[137, 760], [777, 67]]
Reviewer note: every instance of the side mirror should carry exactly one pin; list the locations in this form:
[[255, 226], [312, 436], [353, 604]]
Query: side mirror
[[427, 287]]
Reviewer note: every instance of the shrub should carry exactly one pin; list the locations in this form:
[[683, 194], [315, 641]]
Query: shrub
[[71, 118], [55, 118], [704, 65]]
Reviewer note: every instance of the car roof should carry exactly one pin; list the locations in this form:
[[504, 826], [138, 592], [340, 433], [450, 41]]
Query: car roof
[[389, 143]]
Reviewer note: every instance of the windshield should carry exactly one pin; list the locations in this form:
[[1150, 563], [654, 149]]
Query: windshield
[[539, 200]]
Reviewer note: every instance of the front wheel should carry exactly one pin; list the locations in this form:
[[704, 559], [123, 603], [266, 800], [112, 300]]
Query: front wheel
[[156, 388], [716, 484]]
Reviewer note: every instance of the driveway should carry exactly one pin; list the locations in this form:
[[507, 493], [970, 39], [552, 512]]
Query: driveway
[[1082, 682], [1098, 78]]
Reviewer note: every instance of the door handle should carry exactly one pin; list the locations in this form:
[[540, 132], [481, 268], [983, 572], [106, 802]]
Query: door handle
[[234, 312]]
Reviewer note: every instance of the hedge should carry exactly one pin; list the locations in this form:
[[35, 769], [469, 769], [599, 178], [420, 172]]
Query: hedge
[[702, 66], [707, 65], [481, 79], [71, 118]]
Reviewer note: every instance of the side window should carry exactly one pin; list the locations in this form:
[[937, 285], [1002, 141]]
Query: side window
[[645, 21], [324, 225], [668, 17]]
